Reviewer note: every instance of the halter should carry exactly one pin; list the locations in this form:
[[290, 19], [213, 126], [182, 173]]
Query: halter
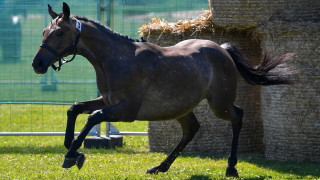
[[71, 49]]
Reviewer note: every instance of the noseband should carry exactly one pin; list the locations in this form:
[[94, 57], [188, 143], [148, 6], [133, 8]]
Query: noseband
[[71, 49]]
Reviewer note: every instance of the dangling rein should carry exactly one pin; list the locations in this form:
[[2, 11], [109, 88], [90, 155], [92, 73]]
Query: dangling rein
[[71, 49]]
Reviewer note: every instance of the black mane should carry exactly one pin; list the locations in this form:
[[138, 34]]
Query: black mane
[[107, 29]]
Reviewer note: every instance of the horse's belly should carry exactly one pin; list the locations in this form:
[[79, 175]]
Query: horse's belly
[[158, 107], [163, 111]]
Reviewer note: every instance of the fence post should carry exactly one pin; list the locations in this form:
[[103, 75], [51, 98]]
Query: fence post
[[108, 129], [99, 141]]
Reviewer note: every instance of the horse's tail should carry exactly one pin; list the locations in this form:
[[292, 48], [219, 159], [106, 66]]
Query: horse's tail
[[267, 73]]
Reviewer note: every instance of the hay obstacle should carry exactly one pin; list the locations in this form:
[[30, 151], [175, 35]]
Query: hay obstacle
[[281, 122]]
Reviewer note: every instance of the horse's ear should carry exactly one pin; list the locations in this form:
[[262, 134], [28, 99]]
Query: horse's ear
[[51, 12], [66, 11]]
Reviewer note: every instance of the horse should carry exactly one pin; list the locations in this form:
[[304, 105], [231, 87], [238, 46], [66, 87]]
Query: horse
[[139, 80]]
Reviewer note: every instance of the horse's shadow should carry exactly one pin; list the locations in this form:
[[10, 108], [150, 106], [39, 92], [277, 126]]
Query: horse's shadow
[[202, 177], [31, 150], [61, 150], [295, 168]]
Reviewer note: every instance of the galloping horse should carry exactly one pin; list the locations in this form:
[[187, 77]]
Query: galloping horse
[[139, 80]]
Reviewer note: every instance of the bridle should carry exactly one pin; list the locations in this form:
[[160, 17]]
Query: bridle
[[71, 49]]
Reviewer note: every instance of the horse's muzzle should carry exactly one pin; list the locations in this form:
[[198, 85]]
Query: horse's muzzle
[[39, 67], [41, 62], [40, 70]]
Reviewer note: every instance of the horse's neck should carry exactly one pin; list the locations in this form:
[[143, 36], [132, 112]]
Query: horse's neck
[[100, 45]]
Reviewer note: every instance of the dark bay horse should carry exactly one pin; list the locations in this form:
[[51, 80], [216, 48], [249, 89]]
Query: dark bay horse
[[142, 81]]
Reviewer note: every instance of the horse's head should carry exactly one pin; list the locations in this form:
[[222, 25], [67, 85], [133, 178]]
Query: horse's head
[[60, 39]]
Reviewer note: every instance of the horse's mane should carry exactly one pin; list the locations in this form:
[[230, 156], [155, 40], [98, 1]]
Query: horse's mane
[[107, 29]]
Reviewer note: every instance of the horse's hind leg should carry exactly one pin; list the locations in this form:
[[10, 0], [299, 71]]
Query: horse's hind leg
[[236, 128], [190, 126], [234, 114]]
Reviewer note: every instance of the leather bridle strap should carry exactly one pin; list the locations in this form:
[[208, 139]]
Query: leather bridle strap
[[71, 49]]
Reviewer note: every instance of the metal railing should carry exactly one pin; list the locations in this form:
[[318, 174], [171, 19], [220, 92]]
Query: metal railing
[[95, 131]]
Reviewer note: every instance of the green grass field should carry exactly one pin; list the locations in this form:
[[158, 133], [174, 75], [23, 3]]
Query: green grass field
[[41, 157]]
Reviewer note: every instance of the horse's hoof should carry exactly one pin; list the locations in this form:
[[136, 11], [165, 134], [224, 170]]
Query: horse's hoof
[[69, 162], [156, 169], [232, 172], [153, 170], [80, 160]]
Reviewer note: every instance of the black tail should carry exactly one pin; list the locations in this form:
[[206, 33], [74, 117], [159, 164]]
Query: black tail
[[267, 73]]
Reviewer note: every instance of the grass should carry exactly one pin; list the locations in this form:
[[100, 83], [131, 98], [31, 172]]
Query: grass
[[41, 157]]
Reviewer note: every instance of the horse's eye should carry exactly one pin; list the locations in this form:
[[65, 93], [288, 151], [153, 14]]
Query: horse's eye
[[59, 33]]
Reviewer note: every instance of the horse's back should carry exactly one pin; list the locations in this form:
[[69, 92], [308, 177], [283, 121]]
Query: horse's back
[[208, 53]]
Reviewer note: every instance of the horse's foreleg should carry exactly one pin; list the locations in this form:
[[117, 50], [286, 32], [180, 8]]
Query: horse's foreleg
[[86, 107], [73, 157], [236, 128], [190, 126], [119, 112]]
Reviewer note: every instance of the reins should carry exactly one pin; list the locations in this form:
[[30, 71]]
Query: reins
[[71, 49]]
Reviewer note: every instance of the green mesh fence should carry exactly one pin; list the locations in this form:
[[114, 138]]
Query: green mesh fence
[[21, 28], [21, 25]]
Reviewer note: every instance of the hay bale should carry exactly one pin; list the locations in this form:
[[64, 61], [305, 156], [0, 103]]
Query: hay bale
[[257, 12], [202, 23], [291, 114]]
